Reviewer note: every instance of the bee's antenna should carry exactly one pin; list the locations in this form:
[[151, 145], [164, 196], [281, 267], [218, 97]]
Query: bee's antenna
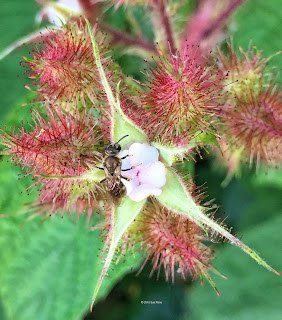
[[123, 138]]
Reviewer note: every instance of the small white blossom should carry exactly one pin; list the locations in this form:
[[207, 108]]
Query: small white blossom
[[49, 11], [148, 176]]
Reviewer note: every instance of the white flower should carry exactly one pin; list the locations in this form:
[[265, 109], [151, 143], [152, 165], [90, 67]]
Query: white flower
[[57, 12], [148, 176]]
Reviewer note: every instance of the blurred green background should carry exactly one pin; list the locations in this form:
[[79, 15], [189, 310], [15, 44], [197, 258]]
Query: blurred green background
[[48, 270]]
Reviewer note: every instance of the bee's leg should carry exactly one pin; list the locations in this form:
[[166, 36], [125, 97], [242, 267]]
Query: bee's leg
[[103, 180], [125, 178], [131, 167], [129, 155], [98, 167]]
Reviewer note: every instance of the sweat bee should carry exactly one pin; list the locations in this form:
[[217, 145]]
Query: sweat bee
[[112, 167]]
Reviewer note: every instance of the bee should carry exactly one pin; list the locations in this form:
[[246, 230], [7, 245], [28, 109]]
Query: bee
[[112, 167]]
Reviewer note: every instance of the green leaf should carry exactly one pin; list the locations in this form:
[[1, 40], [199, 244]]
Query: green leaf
[[35, 36], [122, 217], [16, 21], [265, 35], [250, 293], [175, 197], [268, 176], [47, 269]]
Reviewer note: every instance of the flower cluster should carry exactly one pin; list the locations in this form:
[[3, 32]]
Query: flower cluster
[[92, 146]]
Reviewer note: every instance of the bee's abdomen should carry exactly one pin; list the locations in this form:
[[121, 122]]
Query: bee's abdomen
[[119, 190]]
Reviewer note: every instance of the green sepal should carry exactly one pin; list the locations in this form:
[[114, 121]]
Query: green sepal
[[175, 197], [207, 139], [122, 217], [121, 125], [92, 175], [172, 154]]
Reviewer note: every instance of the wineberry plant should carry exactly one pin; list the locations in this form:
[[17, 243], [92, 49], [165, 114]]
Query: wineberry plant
[[120, 149]]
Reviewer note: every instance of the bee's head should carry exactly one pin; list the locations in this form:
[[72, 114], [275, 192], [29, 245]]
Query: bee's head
[[114, 149]]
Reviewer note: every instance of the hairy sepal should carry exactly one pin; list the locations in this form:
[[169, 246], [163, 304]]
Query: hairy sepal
[[175, 197], [172, 154], [121, 125], [122, 217]]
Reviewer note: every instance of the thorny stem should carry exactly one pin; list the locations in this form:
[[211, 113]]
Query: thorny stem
[[220, 20], [166, 25], [201, 25], [120, 37]]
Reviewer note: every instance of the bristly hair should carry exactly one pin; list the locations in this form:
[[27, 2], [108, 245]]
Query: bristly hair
[[255, 126], [64, 71], [171, 241], [182, 95], [57, 152]]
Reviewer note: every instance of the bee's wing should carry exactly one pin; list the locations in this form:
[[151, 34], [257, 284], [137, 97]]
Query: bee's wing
[[117, 192], [114, 200]]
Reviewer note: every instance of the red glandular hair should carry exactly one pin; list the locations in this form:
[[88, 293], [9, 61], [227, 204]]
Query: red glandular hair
[[62, 147], [64, 68], [256, 126], [246, 70], [182, 95], [169, 240]]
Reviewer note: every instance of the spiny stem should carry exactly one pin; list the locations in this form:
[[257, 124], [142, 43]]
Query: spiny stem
[[221, 19], [121, 37], [166, 25]]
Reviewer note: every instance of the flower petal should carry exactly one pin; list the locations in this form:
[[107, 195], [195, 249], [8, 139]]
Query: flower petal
[[142, 154], [153, 174], [143, 191], [130, 185], [125, 162]]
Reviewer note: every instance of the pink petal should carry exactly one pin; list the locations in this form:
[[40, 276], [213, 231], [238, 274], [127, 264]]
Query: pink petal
[[143, 191]]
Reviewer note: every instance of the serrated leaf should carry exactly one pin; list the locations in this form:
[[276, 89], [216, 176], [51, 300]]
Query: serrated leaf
[[47, 269], [175, 197]]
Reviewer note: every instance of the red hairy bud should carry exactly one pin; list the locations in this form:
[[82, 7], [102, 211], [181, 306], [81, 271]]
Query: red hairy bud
[[64, 69], [171, 241], [63, 146], [182, 95], [255, 127]]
